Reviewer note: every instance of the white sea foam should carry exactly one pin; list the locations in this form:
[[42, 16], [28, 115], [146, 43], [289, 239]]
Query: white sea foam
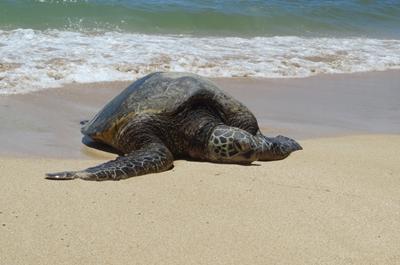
[[33, 60]]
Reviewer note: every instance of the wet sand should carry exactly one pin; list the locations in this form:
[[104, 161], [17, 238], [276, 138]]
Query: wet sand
[[335, 202], [46, 123]]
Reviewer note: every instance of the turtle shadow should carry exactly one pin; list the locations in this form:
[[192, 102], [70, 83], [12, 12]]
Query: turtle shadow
[[86, 140], [99, 146], [254, 164]]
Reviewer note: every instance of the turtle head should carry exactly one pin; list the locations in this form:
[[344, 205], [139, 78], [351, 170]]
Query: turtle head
[[276, 148], [232, 145]]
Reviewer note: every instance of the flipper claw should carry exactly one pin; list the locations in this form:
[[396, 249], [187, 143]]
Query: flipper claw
[[66, 175]]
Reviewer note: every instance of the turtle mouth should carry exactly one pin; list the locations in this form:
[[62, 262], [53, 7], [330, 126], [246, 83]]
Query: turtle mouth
[[248, 154]]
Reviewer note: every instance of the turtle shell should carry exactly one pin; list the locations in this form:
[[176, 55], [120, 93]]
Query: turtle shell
[[157, 93]]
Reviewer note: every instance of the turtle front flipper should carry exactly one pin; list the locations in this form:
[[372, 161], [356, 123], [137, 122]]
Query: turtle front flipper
[[152, 158]]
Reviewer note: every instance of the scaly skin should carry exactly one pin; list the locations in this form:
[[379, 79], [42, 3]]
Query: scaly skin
[[225, 145], [165, 116], [233, 145], [151, 159]]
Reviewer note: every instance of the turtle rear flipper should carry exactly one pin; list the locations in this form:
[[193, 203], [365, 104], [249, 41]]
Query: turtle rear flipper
[[152, 158]]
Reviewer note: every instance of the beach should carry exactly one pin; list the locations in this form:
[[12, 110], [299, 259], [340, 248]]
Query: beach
[[335, 202], [325, 73]]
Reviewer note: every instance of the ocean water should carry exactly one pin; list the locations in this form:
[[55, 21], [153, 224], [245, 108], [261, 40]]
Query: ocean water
[[47, 43]]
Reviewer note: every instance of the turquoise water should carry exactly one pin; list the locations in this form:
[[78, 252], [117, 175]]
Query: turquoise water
[[48, 43], [208, 17]]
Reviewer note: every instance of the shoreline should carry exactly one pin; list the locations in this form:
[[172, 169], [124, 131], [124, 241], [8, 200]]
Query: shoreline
[[46, 123], [123, 56], [118, 83]]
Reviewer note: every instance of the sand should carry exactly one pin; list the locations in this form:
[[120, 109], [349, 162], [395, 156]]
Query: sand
[[335, 202]]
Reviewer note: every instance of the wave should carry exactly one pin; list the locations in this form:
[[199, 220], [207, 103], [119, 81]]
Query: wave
[[212, 17], [33, 60]]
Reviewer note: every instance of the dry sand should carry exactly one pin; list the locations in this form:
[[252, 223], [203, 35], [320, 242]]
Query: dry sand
[[336, 202]]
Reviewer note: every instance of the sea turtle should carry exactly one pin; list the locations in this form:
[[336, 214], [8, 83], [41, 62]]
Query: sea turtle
[[164, 116]]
